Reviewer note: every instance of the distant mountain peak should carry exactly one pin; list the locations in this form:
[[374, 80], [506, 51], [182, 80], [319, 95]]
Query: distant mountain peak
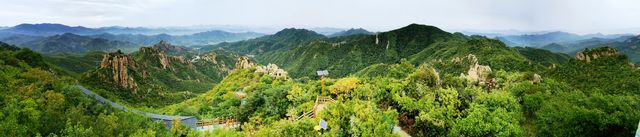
[[419, 32], [356, 29], [419, 28], [68, 34], [560, 33], [295, 31], [163, 42], [163, 45], [46, 26], [166, 47], [352, 31], [45, 29], [633, 40]]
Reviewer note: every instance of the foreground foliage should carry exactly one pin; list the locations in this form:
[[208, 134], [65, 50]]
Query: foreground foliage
[[37, 102]]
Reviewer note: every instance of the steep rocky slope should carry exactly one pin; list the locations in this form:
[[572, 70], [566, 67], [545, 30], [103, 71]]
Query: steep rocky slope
[[163, 71]]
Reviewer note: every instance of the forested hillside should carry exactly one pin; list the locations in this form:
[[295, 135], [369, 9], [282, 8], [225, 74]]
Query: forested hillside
[[35, 101], [424, 101], [427, 83], [72, 43], [417, 80], [417, 43], [346, 55], [627, 45], [284, 39], [162, 72]]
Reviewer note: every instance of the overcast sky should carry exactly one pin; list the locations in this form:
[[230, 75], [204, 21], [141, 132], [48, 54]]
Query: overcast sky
[[578, 16]]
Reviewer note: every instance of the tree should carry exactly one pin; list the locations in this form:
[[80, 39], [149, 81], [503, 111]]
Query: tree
[[579, 114], [438, 113], [77, 130], [107, 124], [358, 118], [344, 86], [492, 114]]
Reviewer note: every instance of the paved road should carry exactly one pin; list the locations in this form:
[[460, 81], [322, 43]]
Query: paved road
[[118, 106]]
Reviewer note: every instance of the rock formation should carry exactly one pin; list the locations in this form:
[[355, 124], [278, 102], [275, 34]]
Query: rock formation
[[471, 58], [536, 79], [272, 70], [120, 64], [377, 40], [166, 47], [211, 57], [478, 74], [590, 54], [162, 57], [244, 63], [180, 59]]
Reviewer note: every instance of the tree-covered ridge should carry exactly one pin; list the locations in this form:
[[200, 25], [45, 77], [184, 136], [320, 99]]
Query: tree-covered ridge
[[75, 64], [23, 33], [166, 72], [488, 51], [542, 39], [417, 43], [352, 31], [200, 38], [73, 43], [284, 39], [345, 55], [597, 74], [544, 57], [415, 99], [36, 101]]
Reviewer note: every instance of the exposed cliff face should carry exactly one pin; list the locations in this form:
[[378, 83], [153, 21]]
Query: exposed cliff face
[[159, 54], [120, 64], [153, 74], [591, 54]]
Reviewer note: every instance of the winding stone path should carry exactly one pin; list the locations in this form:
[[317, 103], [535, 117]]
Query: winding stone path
[[166, 119]]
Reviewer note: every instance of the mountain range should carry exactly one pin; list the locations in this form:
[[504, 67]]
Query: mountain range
[[302, 52], [24, 33], [417, 80], [350, 32], [627, 45], [539, 40], [72, 43]]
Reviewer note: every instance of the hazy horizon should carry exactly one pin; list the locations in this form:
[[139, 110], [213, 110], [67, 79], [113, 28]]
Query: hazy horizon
[[488, 16]]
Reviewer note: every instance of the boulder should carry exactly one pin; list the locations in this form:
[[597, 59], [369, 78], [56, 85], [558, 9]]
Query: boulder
[[536, 79]]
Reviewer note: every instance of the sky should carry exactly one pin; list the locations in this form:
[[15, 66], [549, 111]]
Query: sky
[[578, 16]]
